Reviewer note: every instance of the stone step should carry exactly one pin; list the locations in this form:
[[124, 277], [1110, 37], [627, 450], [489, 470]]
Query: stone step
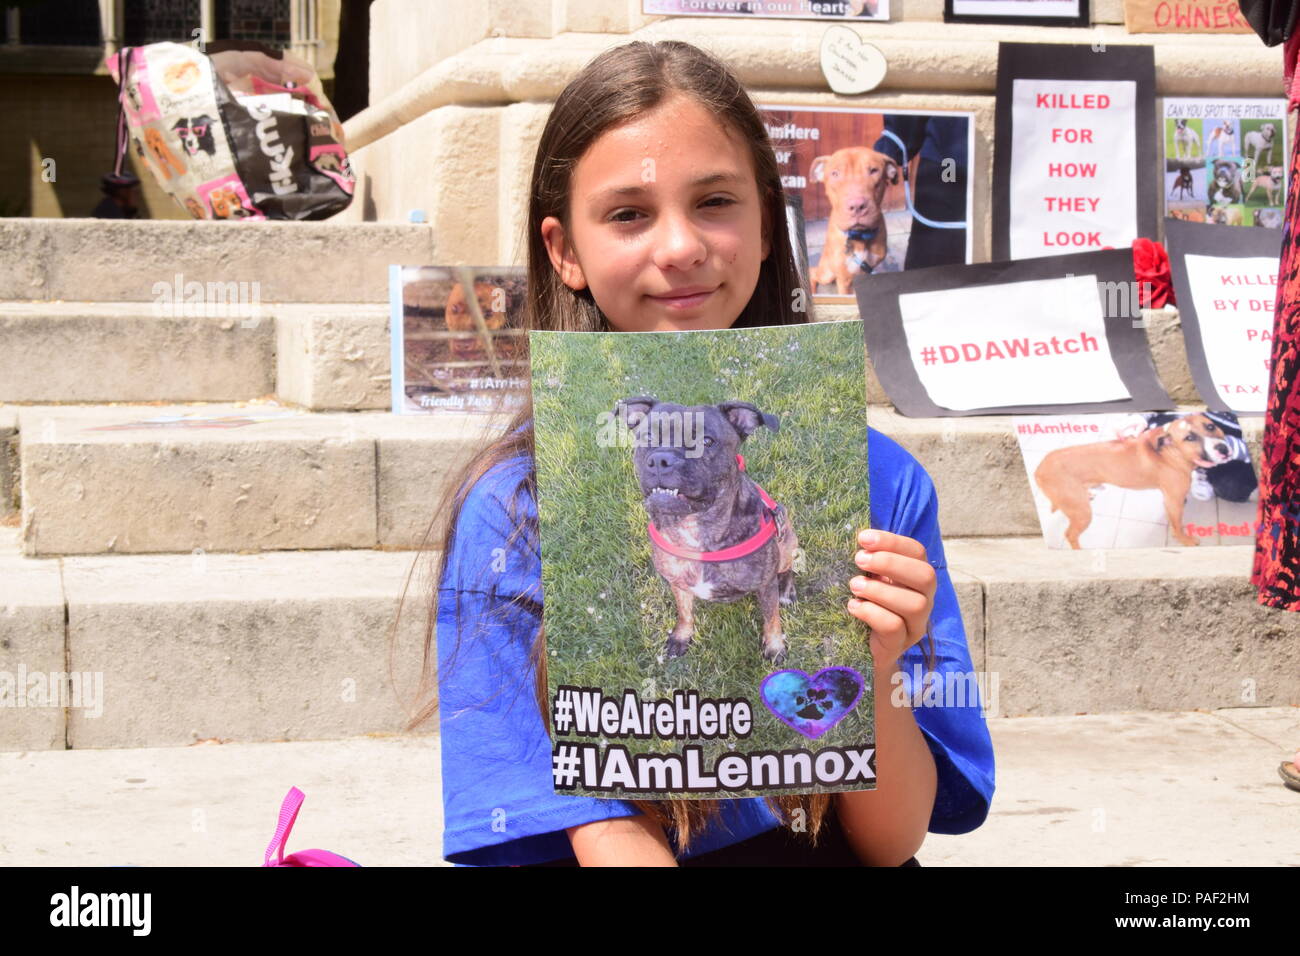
[[304, 481], [368, 479], [294, 645], [1068, 632], [322, 356], [1165, 780], [108, 260], [173, 649]]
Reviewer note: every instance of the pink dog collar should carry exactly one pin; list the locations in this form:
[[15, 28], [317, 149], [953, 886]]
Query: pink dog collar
[[765, 531]]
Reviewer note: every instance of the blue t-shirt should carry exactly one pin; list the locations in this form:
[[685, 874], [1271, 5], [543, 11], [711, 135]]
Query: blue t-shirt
[[499, 804]]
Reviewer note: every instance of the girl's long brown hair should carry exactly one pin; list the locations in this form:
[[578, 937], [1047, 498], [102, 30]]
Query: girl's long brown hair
[[618, 85]]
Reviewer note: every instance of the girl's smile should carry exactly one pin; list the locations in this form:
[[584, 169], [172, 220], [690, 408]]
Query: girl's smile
[[666, 227]]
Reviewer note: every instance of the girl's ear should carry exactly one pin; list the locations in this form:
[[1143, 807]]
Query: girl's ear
[[561, 254]]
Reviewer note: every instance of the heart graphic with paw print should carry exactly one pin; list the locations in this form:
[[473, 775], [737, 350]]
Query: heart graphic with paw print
[[812, 705]]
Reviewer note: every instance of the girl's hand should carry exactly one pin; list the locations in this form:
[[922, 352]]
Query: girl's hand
[[896, 594]]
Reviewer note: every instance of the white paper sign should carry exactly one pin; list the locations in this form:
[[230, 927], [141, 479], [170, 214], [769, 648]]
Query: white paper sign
[[1073, 166], [1020, 343], [1234, 301]]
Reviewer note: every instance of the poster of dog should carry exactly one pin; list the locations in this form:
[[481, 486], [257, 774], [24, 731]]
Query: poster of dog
[[1180, 479], [880, 192], [1225, 161], [696, 492], [457, 340]]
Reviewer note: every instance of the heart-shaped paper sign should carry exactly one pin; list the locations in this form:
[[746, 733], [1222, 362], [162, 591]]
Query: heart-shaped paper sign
[[850, 65], [812, 705]]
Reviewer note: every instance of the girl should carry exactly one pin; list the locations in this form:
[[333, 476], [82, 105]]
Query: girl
[[657, 205]]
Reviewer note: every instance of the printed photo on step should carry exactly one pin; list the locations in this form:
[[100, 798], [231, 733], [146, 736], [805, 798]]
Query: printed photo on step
[[1177, 479], [879, 192], [456, 340], [698, 495]]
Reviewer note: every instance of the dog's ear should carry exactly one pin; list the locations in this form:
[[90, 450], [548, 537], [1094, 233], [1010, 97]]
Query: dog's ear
[[632, 411], [746, 418], [816, 170], [891, 172], [1158, 438]]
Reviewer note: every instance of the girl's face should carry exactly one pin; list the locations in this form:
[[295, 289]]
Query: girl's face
[[667, 229]]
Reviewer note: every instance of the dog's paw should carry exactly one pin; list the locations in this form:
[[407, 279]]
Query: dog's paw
[[775, 651], [675, 648]]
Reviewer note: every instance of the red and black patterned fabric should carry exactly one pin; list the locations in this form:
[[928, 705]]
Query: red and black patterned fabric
[[1276, 570]]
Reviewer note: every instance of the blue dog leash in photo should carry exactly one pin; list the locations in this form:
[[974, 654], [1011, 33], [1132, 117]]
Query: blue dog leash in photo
[[907, 190]]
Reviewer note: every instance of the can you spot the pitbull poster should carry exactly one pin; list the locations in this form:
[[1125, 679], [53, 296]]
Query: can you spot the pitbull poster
[[699, 497], [1226, 161]]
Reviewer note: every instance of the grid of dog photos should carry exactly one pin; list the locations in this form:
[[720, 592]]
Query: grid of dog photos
[[879, 192], [1225, 161], [1151, 480], [457, 343], [697, 492]]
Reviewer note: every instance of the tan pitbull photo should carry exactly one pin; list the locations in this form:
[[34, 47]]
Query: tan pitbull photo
[[855, 180], [1163, 458]]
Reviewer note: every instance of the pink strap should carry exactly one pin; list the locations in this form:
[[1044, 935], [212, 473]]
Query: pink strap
[[316, 858], [123, 66], [288, 814]]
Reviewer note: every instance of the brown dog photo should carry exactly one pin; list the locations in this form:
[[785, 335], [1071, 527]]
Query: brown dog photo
[[1177, 479], [880, 192], [458, 332]]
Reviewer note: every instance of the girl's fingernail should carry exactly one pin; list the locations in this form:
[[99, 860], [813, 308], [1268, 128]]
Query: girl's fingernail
[[863, 557], [869, 538]]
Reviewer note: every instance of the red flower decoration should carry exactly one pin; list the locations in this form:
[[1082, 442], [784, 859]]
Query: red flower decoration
[[1151, 269]]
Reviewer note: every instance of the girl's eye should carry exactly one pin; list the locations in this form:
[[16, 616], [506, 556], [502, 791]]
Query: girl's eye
[[721, 200], [622, 212]]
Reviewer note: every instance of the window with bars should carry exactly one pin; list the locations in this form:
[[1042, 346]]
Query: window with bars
[[58, 23], [152, 21], [77, 22], [266, 21]]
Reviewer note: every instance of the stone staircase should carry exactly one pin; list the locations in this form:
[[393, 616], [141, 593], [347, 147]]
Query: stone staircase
[[242, 583]]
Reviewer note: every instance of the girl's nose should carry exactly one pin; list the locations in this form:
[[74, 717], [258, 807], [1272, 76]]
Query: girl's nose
[[678, 242]]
